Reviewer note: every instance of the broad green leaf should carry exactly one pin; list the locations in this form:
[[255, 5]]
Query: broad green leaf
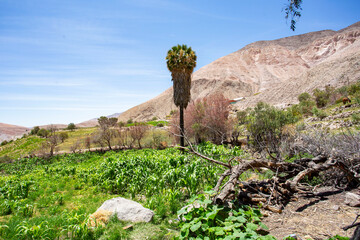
[[251, 226], [263, 226], [241, 219], [219, 231], [204, 226], [195, 227]]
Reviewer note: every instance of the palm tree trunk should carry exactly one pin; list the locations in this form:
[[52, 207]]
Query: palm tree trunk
[[182, 142]]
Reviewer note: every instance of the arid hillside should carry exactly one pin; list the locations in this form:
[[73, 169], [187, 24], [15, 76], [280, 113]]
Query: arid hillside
[[10, 132], [274, 71]]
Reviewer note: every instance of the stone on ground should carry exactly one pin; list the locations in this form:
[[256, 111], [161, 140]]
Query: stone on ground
[[127, 210], [352, 199]]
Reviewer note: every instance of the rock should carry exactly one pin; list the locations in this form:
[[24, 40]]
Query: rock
[[127, 210], [100, 217], [336, 207], [352, 199], [293, 236]]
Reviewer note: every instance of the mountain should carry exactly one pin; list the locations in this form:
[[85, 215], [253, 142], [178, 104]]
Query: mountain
[[10, 132], [274, 71]]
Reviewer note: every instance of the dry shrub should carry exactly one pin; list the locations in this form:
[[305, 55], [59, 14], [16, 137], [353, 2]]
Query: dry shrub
[[206, 119], [137, 133]]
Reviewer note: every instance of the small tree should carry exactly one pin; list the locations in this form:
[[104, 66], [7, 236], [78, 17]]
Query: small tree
[[207, 119], [63, 136], [35, 130], [52, 129], [105, 122], [265, 126], [107, 132], [137, 133], [87, 143], [71, 127], [123, 135], [75, 146], [53, 141], [43, 133]]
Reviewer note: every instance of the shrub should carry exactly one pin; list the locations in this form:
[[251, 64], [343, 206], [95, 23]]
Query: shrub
[[63, 136], [265, 124], [207, 119], [35, 130], [343, 90], [355, 118], [241, 116], [43, 133], [354, 88], [321, 97], [130, 121], [160, 125], [4, 143], [71, 127], [319, 113], [305, 107], [137, 133], [304, 97]]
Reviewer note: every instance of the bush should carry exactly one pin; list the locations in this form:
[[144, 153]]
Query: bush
[[305, 107], [354, 88], [206, 119], [130, 121], [71, 127], [241, 116], [304, 97], [4, 143], [63, 136], [35, 130], [321, 97], [355, 118], [43, 133], [265, 124], [319, 113]]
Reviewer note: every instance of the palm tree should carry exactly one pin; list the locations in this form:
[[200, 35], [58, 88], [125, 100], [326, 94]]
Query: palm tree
[[181, 62]]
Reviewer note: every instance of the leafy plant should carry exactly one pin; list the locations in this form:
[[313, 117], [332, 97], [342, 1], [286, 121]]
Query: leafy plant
[[29, 231], [319, 113], [204, 220]]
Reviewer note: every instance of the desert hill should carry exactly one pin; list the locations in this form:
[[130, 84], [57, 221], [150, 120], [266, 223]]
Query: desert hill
[[274, 71], [11, 132]]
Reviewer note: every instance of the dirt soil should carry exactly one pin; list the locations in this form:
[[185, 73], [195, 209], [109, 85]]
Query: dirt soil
[[314, 216]]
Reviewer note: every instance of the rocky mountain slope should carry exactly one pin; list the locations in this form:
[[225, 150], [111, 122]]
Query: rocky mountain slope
[[11, 132], [274, 71]]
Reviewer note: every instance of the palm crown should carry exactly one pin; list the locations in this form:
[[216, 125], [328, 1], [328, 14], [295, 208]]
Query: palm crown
[[181, 62]]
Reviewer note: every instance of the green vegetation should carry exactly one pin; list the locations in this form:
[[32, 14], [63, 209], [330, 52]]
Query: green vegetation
[[52, 198], [21, 147], [203, 220]]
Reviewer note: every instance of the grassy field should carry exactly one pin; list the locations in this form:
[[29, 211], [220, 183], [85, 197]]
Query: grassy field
[[52, 198], [21, 147]]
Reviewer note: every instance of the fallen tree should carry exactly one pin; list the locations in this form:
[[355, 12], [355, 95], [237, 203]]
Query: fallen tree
[[336, 156]]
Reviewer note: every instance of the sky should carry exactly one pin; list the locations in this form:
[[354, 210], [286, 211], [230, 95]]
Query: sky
[[64, 61]]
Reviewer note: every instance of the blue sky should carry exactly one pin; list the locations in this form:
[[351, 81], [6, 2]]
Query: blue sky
[[65, 61]]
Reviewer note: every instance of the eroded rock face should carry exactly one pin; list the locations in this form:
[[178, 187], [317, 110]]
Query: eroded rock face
[[274, 71], [127, 210]]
